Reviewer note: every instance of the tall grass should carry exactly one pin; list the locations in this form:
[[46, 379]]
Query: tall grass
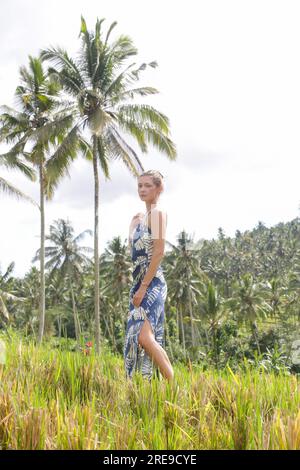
[[52, 399]]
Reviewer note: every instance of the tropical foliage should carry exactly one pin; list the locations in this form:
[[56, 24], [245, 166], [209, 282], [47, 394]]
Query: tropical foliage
[[232, 314]]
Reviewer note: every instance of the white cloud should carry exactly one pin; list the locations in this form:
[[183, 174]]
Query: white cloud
[[228, 77]]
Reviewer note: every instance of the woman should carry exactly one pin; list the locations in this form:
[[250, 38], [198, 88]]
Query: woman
[[145, 322]]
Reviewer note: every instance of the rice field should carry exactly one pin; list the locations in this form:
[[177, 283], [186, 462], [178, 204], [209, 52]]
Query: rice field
[[54, 399]]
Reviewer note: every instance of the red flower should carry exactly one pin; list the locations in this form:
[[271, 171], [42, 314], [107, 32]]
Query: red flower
[[89, 344]]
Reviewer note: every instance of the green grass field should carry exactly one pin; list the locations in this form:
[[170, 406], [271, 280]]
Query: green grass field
[[52, 399]]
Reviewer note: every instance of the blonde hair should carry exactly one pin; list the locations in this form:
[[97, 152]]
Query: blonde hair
[[157, 178]]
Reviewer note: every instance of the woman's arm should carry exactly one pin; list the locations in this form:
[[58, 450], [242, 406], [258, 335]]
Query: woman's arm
[[151, 271], [157, 255], [158, 233]]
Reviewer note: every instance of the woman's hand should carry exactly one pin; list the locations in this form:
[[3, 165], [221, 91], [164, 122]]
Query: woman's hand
[[139, 295]]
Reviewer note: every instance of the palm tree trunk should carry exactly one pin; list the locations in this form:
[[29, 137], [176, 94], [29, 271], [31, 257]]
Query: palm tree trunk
[[59, 327], [42, 257], [178, 325], [215, 347], [96, 247], [182, 331], [112, 320], [191, 317], [207, 339], [108, 330], [199, 336], [254, 331], [75, 315]]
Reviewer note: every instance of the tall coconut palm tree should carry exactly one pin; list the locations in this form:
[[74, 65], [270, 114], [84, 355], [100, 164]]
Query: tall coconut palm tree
[[5, 292], [28, 288], [185, 279], [66, 258], [34, 129], [115, 270], [214, 310], [249, 303], [101, 89]]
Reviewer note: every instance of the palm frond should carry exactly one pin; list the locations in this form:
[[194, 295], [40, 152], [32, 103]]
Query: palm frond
[[137, 131], [162, 142], [5, 277], [117, 85], [142, 113], [109, 31], [82, 235], [3, 309], [61, 59], [118, 148], [85, 148], [35, 65], [122, 48], [10, 113], [11, 190], [12, 124], [69, 82], [12, 162], [86, 249], [142, 91], [52, 129], [87, 61], [7, 296], [67, 67], [59, 163], [54, 263]]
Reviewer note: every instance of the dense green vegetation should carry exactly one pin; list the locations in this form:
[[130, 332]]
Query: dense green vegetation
[[55, 399], [232, 313], [228, 298]]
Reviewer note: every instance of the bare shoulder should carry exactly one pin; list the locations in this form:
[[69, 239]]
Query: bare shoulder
[[159, 216], [158, 223]]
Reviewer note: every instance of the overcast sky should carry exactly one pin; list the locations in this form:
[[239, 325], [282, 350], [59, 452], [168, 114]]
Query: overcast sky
[[228, 74]]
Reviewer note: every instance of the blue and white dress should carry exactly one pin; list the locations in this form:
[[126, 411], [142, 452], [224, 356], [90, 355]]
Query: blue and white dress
[[151, 307]]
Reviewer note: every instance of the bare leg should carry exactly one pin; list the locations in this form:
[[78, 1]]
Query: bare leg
[[155, 351], [166, 356]]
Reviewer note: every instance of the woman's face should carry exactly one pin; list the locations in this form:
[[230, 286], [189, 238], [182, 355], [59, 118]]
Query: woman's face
[[147, 190]]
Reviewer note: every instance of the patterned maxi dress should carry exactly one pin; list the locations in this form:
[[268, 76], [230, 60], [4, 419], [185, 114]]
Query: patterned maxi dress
[[151, 307]]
